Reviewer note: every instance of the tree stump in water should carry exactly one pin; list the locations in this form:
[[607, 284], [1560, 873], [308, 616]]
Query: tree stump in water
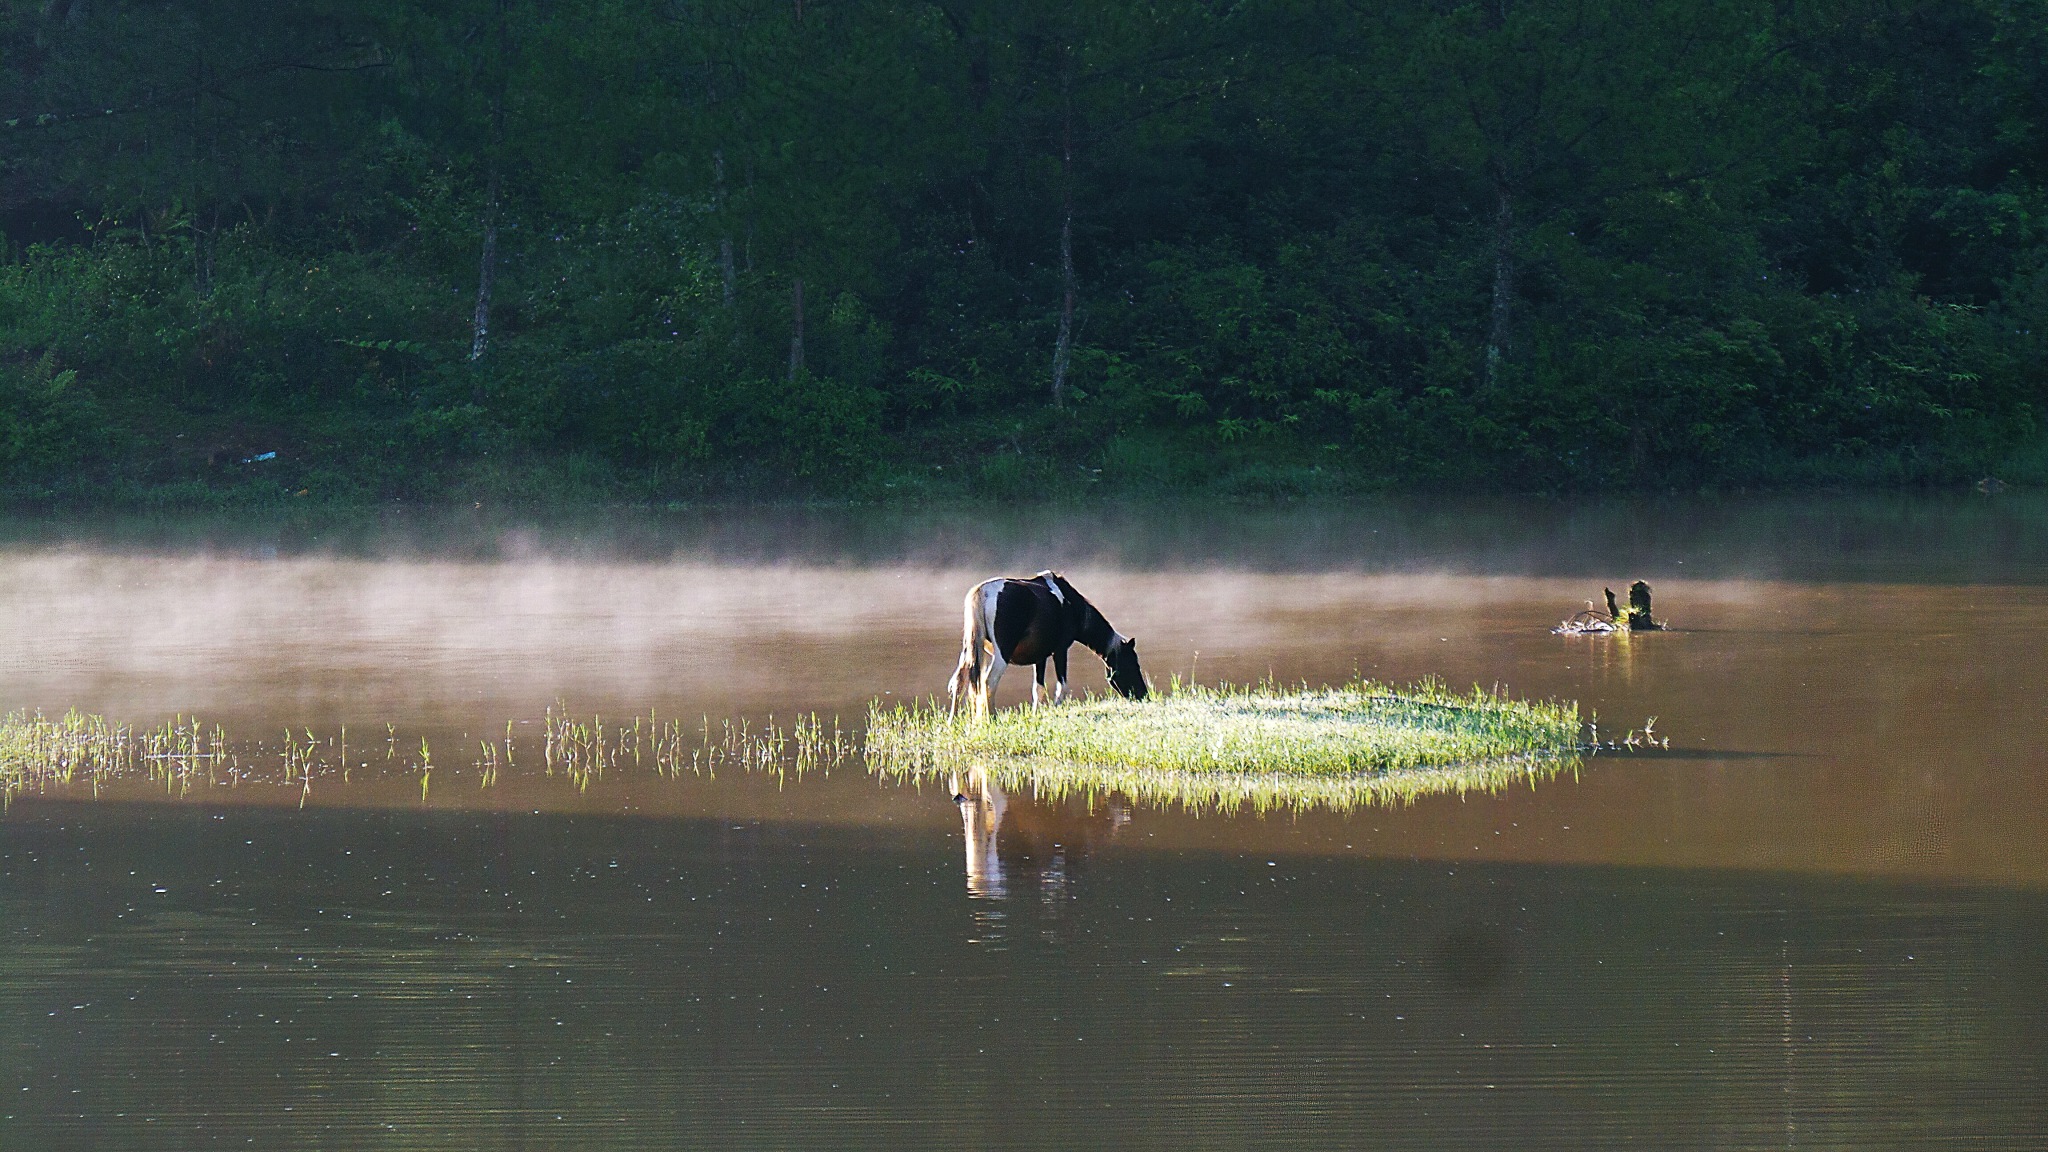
[[1637, 618]]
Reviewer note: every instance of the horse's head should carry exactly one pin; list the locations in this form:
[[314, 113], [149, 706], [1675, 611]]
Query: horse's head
[[1124, 674]]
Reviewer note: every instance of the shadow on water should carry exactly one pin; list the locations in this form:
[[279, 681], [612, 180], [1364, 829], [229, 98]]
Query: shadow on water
[[1722, 755], [354, 979], [1472, 957]]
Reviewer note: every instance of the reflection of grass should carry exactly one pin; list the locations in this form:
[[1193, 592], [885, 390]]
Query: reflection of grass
[[1361, 743]]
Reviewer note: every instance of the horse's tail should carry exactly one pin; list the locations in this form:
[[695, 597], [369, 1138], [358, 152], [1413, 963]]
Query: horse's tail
[[976, 630]]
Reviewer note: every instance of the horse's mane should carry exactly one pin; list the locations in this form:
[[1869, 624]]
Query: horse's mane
[[1096, 630]]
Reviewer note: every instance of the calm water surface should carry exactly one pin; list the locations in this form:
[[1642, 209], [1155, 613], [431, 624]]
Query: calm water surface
[[1819, 920]]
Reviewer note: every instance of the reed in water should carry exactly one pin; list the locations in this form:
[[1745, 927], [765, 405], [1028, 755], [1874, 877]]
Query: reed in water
[[37, 752], [41, 754]]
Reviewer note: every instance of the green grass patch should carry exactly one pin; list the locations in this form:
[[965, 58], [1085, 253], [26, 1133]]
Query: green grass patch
[[1358, 744], [38, 753]]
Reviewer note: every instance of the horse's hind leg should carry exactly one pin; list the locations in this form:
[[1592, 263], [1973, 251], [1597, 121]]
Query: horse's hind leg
[[991, 675]]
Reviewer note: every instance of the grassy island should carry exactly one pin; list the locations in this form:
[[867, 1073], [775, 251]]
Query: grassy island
[[1225, 746]]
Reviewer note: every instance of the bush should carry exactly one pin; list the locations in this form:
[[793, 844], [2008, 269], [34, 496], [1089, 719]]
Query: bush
[[51, 431]]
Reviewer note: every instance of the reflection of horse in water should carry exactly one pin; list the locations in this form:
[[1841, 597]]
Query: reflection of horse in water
[[1030, 622], [982, 806], [1043, 839]]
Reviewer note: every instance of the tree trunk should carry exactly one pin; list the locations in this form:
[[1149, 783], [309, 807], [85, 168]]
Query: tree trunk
[[747, 249], [486, 273], [1499, 327], [725, 264], [202, 258], [487, 262], [796, 336], [1062, 352]]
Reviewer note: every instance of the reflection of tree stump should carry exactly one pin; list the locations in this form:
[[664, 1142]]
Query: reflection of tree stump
[[1637, 618]]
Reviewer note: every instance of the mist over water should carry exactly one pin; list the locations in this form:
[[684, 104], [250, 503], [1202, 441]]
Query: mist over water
[[1711, 946]]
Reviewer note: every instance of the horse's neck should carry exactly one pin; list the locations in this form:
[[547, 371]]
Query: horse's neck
[[1095, 634]]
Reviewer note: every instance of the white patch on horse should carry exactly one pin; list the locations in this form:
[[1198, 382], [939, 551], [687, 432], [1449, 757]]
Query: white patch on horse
[[1054, 585], [991, 591], [992, 672]]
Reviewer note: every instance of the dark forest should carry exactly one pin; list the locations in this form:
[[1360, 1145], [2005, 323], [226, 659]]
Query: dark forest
[[661, 250]]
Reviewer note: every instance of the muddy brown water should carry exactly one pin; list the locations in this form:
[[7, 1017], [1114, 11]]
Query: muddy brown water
[[1819, 920]]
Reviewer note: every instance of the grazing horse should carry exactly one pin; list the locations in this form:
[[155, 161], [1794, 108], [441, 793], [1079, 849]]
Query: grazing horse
[[1030, 622]]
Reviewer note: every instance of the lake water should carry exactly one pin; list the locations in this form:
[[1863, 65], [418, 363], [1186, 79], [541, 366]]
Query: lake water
[[1820, 919]]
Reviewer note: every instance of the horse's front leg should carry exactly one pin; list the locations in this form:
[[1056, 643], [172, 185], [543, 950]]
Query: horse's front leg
[[1059, 668], [1038, 684]]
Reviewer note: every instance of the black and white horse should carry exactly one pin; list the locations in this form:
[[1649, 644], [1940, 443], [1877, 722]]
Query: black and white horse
[[1030, 622]]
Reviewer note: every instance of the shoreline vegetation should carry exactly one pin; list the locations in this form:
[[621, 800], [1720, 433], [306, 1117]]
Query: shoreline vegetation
[[300, 253], [1207, 748]]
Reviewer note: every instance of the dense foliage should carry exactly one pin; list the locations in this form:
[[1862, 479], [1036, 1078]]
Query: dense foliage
[[661, 248]]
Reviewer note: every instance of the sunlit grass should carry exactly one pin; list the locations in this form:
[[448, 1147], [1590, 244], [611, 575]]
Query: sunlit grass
[[1357, 744], [1225, 747], [585, 750], [38, 753], [77, 751]]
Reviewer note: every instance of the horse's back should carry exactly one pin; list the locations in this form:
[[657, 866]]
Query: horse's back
[[1027, 622], [1024, 620]]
